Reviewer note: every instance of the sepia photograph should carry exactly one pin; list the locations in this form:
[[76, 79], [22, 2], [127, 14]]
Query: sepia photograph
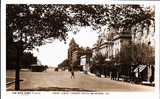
[[80, 47]]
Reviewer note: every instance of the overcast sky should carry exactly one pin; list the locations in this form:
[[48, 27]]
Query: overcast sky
[[54, 53]]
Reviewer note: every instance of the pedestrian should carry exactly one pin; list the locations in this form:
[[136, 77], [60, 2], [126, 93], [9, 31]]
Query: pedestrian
[[152, 75], [72, 74]]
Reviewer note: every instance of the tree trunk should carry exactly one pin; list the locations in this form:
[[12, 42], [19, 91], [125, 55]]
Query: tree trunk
[[17, 74], [19, 54]]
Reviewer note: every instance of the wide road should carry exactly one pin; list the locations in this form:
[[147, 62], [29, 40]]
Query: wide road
[[62, 79]]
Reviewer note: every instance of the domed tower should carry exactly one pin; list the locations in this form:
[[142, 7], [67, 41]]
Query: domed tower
[[73, 45]]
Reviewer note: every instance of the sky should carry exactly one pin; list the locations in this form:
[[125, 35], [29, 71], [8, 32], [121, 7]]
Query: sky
[[54, 53]]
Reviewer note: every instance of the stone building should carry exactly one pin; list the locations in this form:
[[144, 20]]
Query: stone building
[[111, 50], [85, 62], [113, 47], [120, 41], [75, 54], [138, 44]]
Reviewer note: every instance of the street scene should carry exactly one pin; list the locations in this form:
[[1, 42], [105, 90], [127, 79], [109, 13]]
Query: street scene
[[93, 48]]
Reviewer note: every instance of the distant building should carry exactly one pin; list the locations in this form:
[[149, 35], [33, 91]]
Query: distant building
[[75, 54], [85, 62]]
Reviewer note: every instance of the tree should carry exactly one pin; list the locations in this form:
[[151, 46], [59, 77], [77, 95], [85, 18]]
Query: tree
[[98, 63], [123, 60], [28, 28], [64, 64], [131, 56], [38, 24], [143, 54], [27, 59], [129, 19]]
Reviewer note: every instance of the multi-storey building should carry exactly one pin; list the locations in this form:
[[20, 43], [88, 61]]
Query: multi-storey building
[[76, 56], [120, 41], [111, 44], [113, 47], [73, 55]]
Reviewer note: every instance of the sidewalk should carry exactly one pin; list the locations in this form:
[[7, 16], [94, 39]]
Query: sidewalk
[[10, 80], [146, 83]]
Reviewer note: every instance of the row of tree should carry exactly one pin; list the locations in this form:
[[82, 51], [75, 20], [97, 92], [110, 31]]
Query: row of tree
[[124, 63]]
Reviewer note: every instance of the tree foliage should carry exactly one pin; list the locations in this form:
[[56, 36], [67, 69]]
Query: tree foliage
[[64, 64], [98, 59], [35, 24], [38, 24], [143, 54], [26, 59], [124, 56]]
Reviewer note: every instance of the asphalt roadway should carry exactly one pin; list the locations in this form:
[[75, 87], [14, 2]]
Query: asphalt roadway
[[50, 79]]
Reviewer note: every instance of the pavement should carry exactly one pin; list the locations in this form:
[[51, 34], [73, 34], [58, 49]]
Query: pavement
[[51, 80]]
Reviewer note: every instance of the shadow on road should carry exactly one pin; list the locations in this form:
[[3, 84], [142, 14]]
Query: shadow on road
[[54, 89]]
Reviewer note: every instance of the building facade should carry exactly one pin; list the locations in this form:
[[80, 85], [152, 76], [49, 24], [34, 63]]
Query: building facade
[[85, 62], [120, 41], [76, 56], [135, 46]]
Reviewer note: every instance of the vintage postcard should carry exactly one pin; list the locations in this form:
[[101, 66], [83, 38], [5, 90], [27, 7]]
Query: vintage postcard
[[94, 49]]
